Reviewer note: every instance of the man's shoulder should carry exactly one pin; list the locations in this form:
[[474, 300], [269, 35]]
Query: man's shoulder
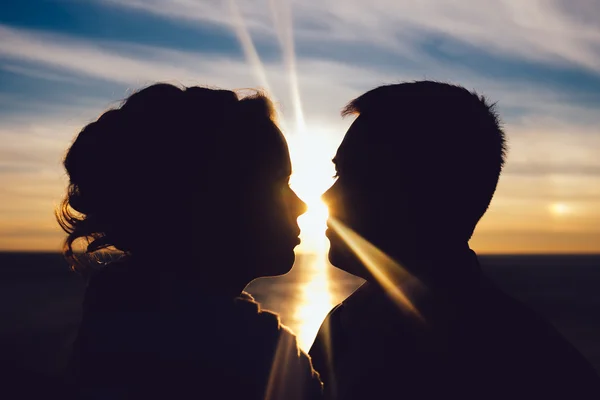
[[497, 305], [364, 314], [367, 304]]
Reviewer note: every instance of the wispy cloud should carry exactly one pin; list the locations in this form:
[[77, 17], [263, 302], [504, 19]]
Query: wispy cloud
[[39, 73], [538, 30], [553, 127], [136, 65], [536, 241], [568, 136], [553, 169], [92, 60]]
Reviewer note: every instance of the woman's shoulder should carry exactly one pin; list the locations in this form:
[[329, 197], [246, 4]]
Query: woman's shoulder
[[292, 375], [264, 325], [252, 312]]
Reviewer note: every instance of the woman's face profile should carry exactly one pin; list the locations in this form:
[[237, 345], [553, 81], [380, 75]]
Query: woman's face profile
[[271, 207]]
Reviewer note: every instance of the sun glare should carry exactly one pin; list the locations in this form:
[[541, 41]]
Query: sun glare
[[311, 157], [316, 303], [241, 31], [396, 280], [560, 209], [311, 154]]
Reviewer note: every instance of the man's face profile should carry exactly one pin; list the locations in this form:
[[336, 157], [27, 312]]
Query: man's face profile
[[359, 198]]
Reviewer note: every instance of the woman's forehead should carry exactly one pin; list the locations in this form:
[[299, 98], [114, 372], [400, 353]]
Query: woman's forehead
[[272, 152], [283, 162]]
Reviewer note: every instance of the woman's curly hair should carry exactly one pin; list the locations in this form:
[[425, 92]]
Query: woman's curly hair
[[161, 140]]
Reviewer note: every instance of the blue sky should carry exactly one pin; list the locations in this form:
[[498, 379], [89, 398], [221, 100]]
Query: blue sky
[[63, 62]]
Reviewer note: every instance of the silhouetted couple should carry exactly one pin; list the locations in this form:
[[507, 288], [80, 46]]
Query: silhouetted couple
[[192, 187]]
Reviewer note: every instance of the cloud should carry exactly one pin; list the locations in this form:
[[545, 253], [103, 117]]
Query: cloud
[[91, 59], [553, 133], [39, 73], [31, 175], [136, 65], [553, 169], [566, 140], [217, 12], [535, 30], [541, 144], [535, 241]]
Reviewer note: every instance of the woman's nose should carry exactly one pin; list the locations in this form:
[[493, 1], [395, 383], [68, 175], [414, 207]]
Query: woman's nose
[[301, 206], [296, 206]]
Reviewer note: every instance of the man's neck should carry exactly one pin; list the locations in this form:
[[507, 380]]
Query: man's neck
[[440, 268]]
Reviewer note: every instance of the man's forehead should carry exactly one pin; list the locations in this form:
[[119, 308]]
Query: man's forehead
[[357, 143]]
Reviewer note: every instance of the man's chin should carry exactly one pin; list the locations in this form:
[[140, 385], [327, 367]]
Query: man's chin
[[333, 257]]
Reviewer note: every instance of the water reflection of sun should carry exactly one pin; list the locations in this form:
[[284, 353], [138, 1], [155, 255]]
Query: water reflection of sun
[[311, 157], [316, 303]]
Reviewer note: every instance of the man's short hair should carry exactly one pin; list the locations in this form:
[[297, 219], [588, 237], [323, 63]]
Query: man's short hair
[[442, 141]]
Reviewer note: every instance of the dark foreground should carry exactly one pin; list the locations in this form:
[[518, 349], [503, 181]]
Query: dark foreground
[[40, 301]]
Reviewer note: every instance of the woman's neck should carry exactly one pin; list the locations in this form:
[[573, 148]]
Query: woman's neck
[[191, 275]]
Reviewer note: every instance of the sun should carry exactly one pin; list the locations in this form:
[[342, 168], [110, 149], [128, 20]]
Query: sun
[[311, 155], [560, 209]]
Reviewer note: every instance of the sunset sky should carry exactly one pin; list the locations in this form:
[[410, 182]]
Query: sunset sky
[[63, 62]]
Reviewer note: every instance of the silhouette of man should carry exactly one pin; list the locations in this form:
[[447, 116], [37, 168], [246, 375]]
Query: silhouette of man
[[415, 173]]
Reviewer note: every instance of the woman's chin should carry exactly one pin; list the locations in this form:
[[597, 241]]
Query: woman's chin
[[286, 264]]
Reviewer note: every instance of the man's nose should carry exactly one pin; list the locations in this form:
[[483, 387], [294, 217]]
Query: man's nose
[[327, 197]]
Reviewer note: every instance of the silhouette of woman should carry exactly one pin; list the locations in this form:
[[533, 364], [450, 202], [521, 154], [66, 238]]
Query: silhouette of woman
[[191, 186]]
